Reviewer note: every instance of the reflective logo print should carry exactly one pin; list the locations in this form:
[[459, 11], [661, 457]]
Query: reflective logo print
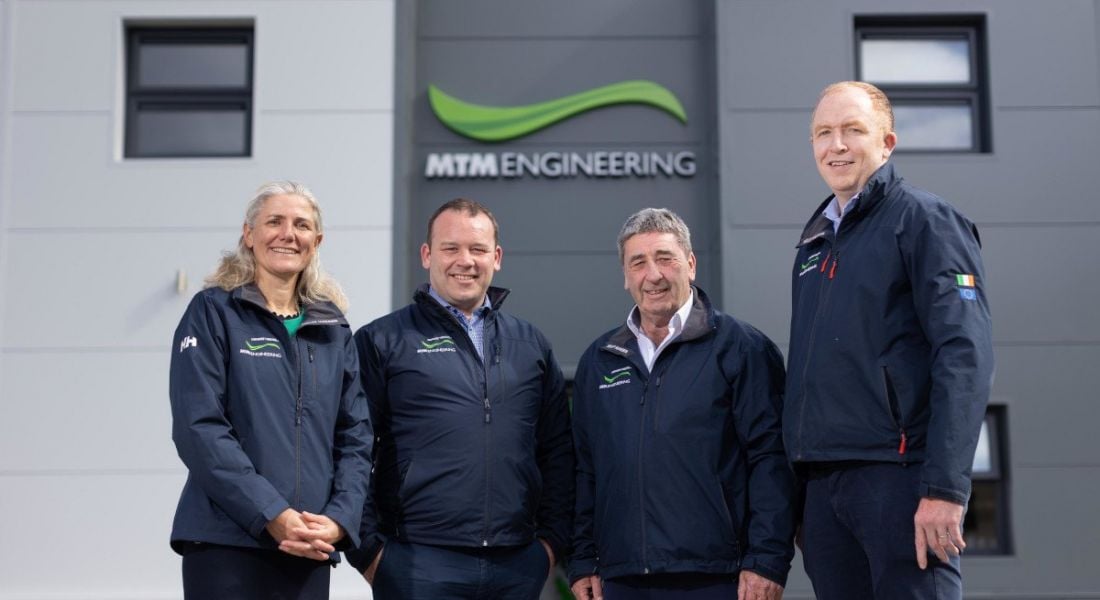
[[616, 378]]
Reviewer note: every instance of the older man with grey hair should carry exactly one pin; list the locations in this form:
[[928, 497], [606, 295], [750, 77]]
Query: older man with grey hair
[[683, 486]]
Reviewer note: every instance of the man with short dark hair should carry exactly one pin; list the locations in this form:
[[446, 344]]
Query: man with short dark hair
[[473, 485], [890, 365], [683, 488]]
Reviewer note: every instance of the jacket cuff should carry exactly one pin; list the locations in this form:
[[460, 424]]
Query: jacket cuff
[[581, 568], [773, 572], [364, 555], [266, 516], [928, 490]]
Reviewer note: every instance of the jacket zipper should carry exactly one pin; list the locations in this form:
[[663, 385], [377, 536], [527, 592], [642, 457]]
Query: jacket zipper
[[641, 474], [822, 299], [298, 433], [488, 420]]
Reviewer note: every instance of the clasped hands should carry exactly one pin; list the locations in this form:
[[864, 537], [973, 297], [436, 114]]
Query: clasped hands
[[305, 534]]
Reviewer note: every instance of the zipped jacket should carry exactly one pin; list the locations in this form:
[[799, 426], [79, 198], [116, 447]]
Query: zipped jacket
[[891, 356], [265, 421], [681, 469], [470, 452]]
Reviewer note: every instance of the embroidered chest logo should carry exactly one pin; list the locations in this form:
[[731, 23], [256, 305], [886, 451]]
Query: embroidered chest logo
[[616, 378], [189, 342], [810, 264], [263, 347], [965, 283], [442, 343]]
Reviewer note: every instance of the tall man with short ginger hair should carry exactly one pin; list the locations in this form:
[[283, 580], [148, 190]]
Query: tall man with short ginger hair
[[890, 365]]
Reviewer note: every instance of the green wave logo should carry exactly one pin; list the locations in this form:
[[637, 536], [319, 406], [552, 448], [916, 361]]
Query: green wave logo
[[429, 345], [498, 123], [616, 377], [256, 348]]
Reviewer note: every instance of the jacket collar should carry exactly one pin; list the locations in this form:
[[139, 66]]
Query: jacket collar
[[496, 297], [872, 195], [700, 322], [316, 313]]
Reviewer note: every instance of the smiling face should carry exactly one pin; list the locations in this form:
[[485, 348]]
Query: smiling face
[[850, 141], [462, 258], [284, 237], [658, 274]]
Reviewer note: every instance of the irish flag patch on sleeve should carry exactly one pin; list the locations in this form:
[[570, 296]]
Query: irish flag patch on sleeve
[[964, 280]]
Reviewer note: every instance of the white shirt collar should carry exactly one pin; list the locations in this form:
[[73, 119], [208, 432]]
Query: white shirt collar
[[649, 351]]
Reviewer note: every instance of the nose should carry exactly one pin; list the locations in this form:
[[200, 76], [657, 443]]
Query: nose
[[652, 273], [837, 143], [286, 230]]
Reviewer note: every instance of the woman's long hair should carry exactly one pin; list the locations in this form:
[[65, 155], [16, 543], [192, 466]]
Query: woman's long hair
[[238, 267]]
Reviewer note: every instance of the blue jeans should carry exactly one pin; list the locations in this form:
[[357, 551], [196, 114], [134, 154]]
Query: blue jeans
[[858, 535], [422, 572]]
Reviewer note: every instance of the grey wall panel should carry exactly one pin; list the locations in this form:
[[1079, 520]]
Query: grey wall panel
[[1039, 52], [1052, 423], [591, 298], [63, 175], [758, 279], [1041, 284], [776, 182], [110, 408], [115, 526], [566, 18], [136, 273], [517, 72], [810, 44], [778, 55], [1056, 532]]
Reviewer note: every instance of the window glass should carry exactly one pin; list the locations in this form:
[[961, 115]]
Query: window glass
[[915, 60], [983, 459], [934, 127], [191, 132], [192, 65]]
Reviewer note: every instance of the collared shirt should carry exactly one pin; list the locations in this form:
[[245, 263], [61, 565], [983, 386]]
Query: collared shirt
[[475, 327], [833, 213], [675, 328]]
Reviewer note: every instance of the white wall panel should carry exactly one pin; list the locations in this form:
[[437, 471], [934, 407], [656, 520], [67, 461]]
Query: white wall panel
[[110, 290], [108, 534], [86, 411], [64, 175]]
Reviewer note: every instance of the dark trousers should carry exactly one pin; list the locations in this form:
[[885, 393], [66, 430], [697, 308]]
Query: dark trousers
[[229, 573], [672, 586], [858, 536], [422, 572]]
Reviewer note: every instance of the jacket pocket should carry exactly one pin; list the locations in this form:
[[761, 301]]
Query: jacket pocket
[[894, 408]]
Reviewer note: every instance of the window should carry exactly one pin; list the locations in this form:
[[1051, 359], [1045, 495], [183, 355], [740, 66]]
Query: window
[[188, 92], [986, 526], [934, 71]]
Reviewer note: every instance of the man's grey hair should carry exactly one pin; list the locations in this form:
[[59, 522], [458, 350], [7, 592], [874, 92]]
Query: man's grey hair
[[655, 220]]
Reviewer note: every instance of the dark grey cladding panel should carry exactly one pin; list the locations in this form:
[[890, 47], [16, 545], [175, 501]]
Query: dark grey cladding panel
[[575, 215], [559, 234], [562, 18], [522, 72]]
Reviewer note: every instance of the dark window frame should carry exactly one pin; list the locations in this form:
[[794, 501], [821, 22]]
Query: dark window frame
[[974, 93], [139, 98], [997, 479]]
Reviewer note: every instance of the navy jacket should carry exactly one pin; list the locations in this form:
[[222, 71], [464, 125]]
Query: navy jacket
[[265, 422], [470, 452], [891, 355], [682, 469]]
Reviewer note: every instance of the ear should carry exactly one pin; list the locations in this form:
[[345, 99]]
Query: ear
[[246, 235], [691, 267], [317, 242], [425, 256], [497, 256], [888, 144]]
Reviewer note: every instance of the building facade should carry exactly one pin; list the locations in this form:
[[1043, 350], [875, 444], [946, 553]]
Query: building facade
[[132, 133]]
